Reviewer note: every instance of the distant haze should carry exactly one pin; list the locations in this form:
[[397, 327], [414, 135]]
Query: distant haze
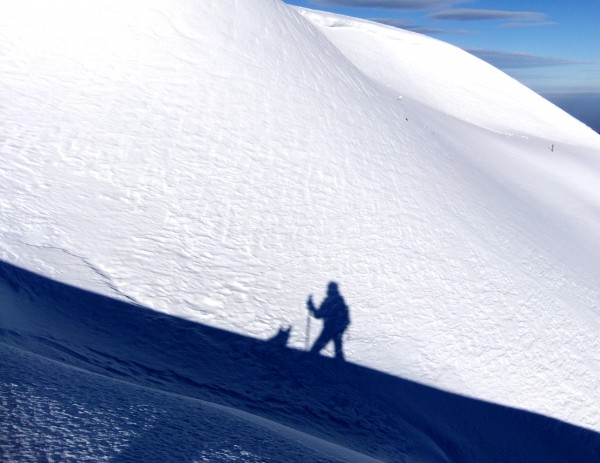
[[583, 106]]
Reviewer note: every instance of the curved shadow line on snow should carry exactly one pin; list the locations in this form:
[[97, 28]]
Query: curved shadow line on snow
[[369, 411]]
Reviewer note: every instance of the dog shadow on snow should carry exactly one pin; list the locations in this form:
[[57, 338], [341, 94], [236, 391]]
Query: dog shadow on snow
[[375, 413]]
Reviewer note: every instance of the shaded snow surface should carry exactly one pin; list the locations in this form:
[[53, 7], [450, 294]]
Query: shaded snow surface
[[103, 380], [219, 161]]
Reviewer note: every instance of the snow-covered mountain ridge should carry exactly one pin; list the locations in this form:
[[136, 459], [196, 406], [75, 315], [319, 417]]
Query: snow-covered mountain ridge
[[221, 160], [448, 79]]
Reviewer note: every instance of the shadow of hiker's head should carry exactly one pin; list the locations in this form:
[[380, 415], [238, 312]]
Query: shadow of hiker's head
[[332, 288]]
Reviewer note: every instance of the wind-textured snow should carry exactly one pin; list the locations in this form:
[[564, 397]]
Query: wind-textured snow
[[221, 160]]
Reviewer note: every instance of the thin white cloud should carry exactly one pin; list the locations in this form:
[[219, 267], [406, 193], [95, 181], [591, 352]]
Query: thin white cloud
[[474, 14], [410, 26], [529, 24], [517, 60], [390, 4]]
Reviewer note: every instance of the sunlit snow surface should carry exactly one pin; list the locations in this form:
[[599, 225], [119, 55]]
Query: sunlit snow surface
[[221, 160]]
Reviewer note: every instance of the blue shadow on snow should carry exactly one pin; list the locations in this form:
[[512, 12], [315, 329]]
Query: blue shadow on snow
[[377, 414]]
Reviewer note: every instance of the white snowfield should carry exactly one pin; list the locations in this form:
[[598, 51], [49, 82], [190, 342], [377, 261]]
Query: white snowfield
[[222, 160]]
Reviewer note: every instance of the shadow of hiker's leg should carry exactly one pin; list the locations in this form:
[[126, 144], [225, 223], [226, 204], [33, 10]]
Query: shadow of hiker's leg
[[320, 342], [339, 352]]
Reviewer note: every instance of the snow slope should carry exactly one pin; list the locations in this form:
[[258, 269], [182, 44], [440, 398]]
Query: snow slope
[[57, 413], [87, 378], [449, 80], [221, 160]]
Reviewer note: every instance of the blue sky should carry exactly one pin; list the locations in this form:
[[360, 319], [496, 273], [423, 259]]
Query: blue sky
[[553, 46]]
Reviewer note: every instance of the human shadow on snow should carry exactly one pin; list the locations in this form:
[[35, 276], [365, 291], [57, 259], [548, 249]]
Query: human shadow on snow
[[336, 318], [375, 413]]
